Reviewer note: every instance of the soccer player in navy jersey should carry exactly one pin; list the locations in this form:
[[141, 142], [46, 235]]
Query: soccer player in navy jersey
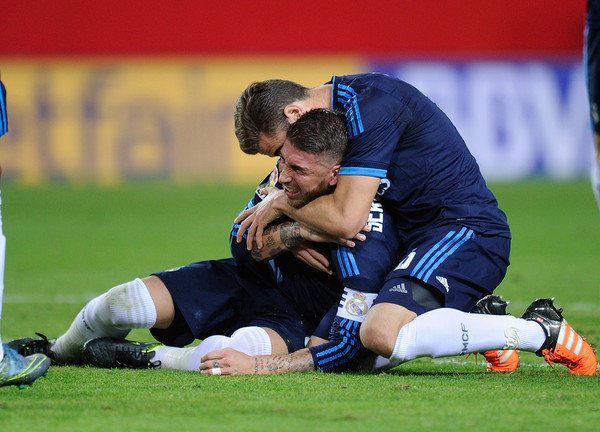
[[15, 369], [592, 68], [455, 239]]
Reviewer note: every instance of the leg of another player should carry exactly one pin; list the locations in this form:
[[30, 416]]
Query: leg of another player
[[140, 304], [388, 331], [14, 368], [392, 330], [447, 332], [381, 326]]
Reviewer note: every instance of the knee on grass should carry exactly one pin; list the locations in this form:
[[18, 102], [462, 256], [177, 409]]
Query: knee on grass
[[376, 336]]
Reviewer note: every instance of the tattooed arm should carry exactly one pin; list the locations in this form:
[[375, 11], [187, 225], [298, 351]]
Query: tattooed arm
[[278, 239], [232, 362], [284, 237]]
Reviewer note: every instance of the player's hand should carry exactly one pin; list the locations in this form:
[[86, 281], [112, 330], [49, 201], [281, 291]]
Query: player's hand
[[312, 257], [262, 215], [241, 217], [366, 228], [227, 362]]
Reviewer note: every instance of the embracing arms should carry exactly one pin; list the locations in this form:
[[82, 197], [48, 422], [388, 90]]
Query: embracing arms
[[342, 214]]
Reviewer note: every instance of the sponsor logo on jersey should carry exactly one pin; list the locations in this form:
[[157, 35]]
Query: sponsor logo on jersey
[[274, 177], [271, 182]]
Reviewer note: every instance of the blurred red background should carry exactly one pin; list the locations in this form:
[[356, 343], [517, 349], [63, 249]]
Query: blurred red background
[[379, 27]]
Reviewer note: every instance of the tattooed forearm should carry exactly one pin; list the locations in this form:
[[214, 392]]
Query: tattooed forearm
[[277, 239], [300, 361], [264, 253], [271, 248], [290, 235]]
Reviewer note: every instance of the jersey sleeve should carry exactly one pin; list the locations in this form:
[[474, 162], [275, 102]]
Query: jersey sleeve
[[369, 153], [374, 128]]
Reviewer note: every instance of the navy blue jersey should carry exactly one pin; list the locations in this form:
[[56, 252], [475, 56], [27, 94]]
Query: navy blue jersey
[[429, 177]]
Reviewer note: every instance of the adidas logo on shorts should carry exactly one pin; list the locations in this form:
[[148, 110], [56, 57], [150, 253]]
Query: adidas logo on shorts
[[399, 288]]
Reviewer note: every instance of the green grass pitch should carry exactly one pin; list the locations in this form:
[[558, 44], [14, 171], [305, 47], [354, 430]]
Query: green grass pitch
[[67, 244]]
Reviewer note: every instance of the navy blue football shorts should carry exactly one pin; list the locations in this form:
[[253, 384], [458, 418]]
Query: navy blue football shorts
[[450, 266], [216, 298]]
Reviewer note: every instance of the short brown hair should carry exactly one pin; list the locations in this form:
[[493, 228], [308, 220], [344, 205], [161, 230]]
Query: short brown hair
[[259, 109], [321, 132]]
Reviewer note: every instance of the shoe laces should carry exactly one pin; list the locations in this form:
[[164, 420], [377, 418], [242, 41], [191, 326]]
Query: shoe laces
[[566, 359], [43, 336], [551, 358]]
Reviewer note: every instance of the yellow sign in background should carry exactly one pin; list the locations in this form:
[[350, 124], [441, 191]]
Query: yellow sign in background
[[109, 120]]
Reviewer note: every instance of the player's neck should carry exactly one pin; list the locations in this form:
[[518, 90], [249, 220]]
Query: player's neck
[[320, 97]]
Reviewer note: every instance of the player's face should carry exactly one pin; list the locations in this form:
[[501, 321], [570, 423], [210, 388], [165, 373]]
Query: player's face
[[304, 176], [270, 145]]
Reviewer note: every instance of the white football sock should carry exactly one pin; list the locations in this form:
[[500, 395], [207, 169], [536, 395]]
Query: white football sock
[[249, 340], [447, 332], [181, 358], [111, 314]]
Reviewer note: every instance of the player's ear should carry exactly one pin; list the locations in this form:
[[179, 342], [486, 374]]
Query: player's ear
[[293, 112], [334, 175]]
